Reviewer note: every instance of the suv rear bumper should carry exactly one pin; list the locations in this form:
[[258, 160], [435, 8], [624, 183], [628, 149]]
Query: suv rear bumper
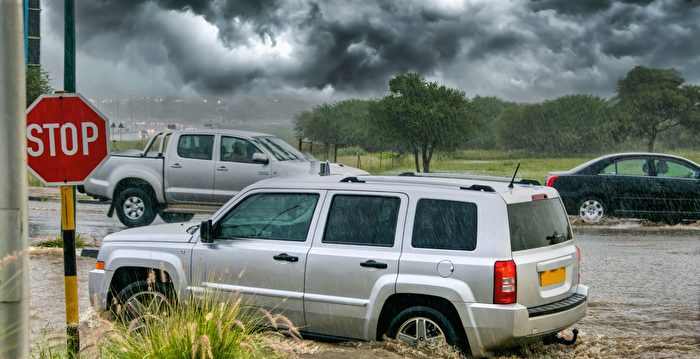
[[493, 326]]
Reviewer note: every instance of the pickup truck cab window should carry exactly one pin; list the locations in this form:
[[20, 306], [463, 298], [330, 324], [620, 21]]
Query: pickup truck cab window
[[278, 216], [195, 146], [237, 150]]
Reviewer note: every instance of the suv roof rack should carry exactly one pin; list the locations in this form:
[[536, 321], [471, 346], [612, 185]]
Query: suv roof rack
[[423, 181], [472, 177], [352, 179], [480, 188]]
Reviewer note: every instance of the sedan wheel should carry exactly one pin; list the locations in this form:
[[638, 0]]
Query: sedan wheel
[[592, 210]]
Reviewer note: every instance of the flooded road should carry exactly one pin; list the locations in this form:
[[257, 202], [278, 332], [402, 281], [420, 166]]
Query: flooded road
[[644, 297]]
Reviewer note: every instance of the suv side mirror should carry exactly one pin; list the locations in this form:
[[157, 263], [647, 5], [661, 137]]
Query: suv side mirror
[[260, 158], [205, 232]]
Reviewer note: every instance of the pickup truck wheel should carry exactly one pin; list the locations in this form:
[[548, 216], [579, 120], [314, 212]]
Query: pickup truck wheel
[[141, 300], [135, 207], [170, 217], [424, 326]]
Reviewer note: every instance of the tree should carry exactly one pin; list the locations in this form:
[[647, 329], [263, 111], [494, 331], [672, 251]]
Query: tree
[[343, 123], [424, 116], [568, 124], [38, 83], [485, 111], [652, 101]]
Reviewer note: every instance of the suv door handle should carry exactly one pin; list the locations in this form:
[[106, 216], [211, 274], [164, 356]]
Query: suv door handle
[[222, 168], [285, 257], [176, 165], [372, 264]]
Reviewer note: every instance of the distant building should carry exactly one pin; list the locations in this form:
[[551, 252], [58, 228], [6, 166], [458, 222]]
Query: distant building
[[33, 31]]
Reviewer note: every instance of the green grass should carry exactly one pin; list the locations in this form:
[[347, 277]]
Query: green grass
[[128, 145], [58, 242]]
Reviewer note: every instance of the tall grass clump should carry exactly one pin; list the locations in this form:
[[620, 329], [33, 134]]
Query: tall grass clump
[[48, 346], [202, 328]]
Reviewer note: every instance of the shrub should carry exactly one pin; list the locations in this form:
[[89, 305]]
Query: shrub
[[214, 327]]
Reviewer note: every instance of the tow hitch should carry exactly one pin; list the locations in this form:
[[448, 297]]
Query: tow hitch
[[555, 339]]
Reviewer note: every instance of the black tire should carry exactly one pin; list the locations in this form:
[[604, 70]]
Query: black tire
[[135, 207], [171, 217], [592, 209], [143, 299], [407, 322]]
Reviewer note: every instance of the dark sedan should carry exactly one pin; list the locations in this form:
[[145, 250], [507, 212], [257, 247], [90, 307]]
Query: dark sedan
[[634, 185]]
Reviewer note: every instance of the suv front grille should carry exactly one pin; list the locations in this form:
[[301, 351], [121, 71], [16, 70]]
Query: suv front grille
[[555, 307]]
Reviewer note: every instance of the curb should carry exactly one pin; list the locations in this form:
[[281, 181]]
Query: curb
[[58, 199], [81, 252], [642, 231]]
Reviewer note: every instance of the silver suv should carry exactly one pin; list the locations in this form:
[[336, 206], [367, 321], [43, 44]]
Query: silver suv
[[480, 264]]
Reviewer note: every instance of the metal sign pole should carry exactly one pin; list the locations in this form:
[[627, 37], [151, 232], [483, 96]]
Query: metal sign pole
[[14, 261], [68, 198]]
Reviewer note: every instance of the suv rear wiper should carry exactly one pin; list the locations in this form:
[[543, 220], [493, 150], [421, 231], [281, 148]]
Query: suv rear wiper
[[557, 238]]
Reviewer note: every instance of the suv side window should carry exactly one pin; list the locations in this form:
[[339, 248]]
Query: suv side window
[[279, 216], [362, 220], [442, 224], [195, 146]]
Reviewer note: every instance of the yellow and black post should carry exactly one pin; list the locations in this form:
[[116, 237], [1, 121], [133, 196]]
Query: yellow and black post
[[68, 196], [70, 270]]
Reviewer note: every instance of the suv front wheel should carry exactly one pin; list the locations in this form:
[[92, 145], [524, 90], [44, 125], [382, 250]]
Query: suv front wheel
[[143, 299], [421, 325]]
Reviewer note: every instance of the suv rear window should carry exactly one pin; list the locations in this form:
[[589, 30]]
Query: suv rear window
[[441, 224], [537, 224]]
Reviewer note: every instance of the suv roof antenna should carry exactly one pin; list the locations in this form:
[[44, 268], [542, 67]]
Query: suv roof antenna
[[510, 185]]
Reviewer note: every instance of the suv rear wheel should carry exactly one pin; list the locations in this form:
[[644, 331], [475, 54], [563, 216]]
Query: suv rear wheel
[[423, 326]]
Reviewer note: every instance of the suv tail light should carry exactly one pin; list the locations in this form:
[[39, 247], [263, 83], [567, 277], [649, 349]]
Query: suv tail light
[[550, 180], [504, 282], [578, 254]]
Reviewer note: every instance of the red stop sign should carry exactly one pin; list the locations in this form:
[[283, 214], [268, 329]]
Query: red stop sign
[[67, 139]]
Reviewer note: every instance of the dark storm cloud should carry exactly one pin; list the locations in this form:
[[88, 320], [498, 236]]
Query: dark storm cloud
[[538, 48]]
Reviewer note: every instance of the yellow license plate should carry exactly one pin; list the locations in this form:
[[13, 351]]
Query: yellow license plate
[[552, 276]]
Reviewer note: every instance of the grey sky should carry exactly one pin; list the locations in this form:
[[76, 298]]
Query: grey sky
[[327, 50]]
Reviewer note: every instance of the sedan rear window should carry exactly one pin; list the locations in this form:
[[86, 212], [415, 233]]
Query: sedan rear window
[[537, 224]]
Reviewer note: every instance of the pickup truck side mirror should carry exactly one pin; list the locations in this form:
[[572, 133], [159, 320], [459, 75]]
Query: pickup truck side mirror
[[205, 232], [260, 158]]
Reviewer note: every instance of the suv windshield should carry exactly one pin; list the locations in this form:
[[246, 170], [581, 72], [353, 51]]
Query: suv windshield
[[537, 224], [280, 149]]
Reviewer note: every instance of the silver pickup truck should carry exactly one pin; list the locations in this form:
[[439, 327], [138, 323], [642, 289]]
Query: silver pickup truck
[[180, 173]]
